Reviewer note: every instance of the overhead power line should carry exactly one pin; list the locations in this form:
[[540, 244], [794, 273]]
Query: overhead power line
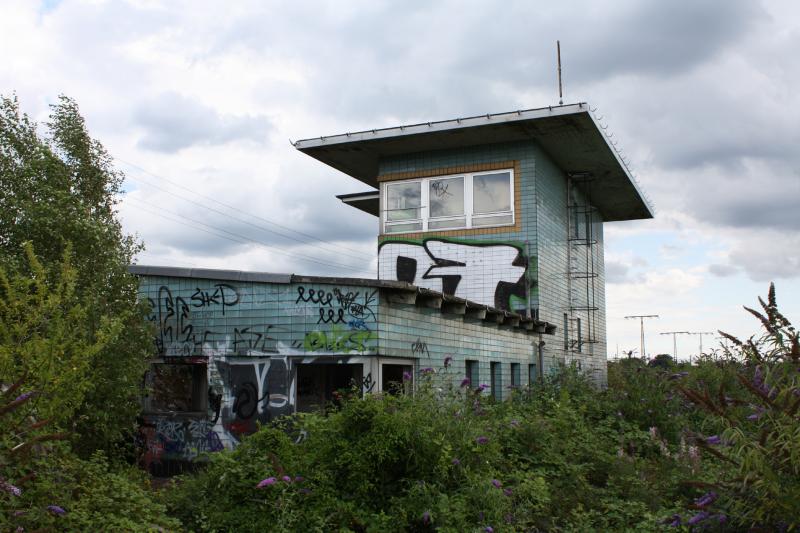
[[338, 249], [235, 237]]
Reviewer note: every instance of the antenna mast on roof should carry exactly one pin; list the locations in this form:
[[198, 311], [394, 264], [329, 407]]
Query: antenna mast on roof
[[560, 92]]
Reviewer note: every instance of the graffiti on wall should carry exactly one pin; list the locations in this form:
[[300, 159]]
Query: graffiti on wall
[[177, 335], [240, 368], [340, 306], [178, 439], [484, 272], [339, 341], [420, 348]]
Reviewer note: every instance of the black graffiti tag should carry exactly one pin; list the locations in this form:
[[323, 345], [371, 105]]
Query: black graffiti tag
[[440, 189], [223, 294], [420, 348], [320, 297], [172, 316], [331, 316], [250, 338]]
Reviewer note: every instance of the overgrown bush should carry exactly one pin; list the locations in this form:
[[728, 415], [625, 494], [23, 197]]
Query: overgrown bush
[[45, 364], [756, 452], [712, 446], [549, 459]]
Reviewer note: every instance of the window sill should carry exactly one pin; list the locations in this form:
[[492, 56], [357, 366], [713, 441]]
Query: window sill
[[475, 230]]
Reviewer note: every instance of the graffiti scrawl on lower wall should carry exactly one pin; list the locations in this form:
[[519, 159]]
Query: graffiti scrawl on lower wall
[[487, 273], [229, 354]]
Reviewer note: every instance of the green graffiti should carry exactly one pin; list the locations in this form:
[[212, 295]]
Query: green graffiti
[[338, 340]]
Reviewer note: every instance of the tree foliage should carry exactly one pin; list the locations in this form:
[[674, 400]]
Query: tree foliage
[[47, 358], [58, 191]]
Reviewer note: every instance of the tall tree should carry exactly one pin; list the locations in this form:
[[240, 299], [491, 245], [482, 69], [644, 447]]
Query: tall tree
[[58, 191]]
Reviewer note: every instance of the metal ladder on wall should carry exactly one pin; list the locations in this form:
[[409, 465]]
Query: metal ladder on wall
[[581, 275]]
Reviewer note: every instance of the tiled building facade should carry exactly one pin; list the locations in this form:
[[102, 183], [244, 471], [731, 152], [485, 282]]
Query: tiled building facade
[[540, 233], [490, 258], [532, 244], [235, 349]]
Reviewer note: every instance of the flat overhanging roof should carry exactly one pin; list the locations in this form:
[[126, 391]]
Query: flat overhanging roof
[[365, 201], [569, 134]]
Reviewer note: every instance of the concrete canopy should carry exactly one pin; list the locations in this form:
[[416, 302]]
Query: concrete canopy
[[569, 134]]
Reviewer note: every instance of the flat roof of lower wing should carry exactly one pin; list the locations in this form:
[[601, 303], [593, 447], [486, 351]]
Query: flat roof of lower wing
[[569, 134]]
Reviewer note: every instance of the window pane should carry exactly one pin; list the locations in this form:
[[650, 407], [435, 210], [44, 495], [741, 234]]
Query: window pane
[[403, 201], [401, 228], [447, 197], [492, 221], [491, 192], [449, 223]]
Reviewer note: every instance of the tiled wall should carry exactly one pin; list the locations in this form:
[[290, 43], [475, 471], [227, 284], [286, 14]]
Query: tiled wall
[[196, 317], [510, 241], [431, 337], [247, 340], [543, 216]]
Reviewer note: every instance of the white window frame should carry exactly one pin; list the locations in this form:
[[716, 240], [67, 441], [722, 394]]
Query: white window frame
[[468, 203]]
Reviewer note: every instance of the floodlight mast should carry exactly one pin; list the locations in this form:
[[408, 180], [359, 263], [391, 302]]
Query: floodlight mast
[[701, 333], [675, 342], [641, 330]]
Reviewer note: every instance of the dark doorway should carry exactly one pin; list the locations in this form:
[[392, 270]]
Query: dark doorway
[[316, 383], [392, 378]]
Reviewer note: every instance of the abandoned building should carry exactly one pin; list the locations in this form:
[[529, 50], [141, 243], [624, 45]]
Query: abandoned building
[[490, 258]]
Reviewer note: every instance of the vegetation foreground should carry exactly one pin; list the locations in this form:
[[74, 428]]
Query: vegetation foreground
[[712, 447]]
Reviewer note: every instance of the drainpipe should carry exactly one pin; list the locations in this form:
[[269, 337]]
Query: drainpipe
[[527, 277]]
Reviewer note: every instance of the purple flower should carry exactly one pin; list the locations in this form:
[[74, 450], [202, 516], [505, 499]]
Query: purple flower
[[9, 488], [699, 517], [721, 518], [496, 483], [406, 376], [706, 499], [298, 479], [514, 423], [673, 521], [758, 377], [426, 518], [465, 382], [759, 412], [508, 492], [482, 387], [713, 440], [55, 509], [24, 396], [266, 482], [447, 361], [489, 529], [287, 479], [482, 440], [426, 371], [304, 491], [456, 462]]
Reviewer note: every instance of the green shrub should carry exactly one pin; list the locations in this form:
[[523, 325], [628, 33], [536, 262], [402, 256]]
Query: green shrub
[[452, 460], [756, 452]]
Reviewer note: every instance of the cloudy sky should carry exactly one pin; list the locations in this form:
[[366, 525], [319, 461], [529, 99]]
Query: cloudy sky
[[198, 102]]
